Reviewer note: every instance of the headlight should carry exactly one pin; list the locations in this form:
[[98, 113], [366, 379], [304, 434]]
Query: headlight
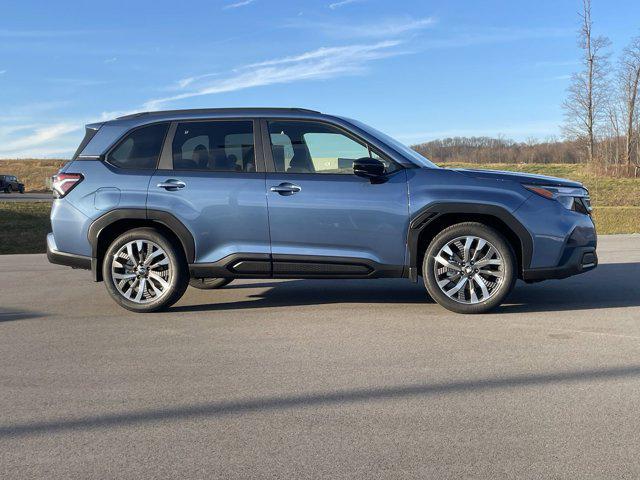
[[571, 198]]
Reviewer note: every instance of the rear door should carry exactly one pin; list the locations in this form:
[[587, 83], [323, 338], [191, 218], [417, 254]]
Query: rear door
[[212, 179], [324, 220]]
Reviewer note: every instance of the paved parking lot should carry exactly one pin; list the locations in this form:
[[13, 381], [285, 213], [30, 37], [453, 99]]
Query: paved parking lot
[[321, 379]]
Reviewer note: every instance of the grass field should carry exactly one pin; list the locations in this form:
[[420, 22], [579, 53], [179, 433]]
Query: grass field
[[23, 227], [616, 201]]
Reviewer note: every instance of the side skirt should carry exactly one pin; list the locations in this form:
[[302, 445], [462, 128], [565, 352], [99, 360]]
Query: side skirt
[[294, 266]]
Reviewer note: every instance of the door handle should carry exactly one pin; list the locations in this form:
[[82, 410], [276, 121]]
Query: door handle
[[172, 184], [285, 188]]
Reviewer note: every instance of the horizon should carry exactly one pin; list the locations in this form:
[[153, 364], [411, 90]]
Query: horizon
[[419, 72]]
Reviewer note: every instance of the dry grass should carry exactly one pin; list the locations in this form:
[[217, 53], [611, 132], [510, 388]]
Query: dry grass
[[613, 220], [33, 173]]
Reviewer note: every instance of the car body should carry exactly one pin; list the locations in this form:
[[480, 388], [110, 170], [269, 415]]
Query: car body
[[10, 183], [294, 193]]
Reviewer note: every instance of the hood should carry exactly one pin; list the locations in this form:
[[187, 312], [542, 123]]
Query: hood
[[528, 178]]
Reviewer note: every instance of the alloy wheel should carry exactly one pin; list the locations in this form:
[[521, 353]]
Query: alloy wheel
[[469, 269], [141, 271]]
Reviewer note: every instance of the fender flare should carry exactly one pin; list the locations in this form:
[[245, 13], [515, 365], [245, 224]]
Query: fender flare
[[164, 218], [435, 210]]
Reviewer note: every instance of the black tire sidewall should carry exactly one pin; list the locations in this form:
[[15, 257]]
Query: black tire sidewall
[[478, 230], [209, 283], [177, 263]]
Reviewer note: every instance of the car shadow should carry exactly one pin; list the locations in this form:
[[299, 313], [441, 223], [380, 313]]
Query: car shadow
[[318, 292], [611, 285], [11, 315]]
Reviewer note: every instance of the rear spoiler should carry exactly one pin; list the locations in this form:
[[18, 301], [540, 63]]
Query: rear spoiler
[[90, 130]]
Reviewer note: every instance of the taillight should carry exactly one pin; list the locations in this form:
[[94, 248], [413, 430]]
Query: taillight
[[63, 183]]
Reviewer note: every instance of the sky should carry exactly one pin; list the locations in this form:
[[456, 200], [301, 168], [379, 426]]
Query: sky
[[417, 70]]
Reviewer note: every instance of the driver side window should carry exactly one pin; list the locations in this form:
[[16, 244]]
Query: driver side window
[[311, 147]]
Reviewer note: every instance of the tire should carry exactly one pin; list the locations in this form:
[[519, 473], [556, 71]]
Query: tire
[[21, 190], [209, 283], [464, 285], [164, 276]]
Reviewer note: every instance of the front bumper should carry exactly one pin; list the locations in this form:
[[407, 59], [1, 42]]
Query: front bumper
[[63, 258], [578, 256]]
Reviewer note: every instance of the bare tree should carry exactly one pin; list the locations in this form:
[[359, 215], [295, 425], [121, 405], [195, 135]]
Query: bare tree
[[630, 79], [584, 107]]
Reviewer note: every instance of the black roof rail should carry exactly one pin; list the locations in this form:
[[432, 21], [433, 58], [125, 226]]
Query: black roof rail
[[205, 111]]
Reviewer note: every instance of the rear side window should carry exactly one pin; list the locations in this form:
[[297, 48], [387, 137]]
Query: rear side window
[[221, 146], [140, 149]]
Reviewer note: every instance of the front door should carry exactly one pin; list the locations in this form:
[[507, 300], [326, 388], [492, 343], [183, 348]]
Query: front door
[[214, 182], [323, 219]]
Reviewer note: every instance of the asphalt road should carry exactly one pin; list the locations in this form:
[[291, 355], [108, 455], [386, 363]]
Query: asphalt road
[[26, 197], [321, 379]]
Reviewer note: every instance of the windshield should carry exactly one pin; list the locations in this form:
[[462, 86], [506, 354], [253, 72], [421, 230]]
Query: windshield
[[395, 144]]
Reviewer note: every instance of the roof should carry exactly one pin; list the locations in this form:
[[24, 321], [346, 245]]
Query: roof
[[218, 111]]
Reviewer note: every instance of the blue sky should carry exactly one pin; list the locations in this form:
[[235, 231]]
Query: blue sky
[[417, 70]]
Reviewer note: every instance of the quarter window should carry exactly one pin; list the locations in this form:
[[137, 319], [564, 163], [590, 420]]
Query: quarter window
[[140, 149], [222, 146], [312, 147]]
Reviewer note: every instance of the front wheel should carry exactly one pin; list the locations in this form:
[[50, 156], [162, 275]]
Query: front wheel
[[144, 271], [209, 283], [469, 268]]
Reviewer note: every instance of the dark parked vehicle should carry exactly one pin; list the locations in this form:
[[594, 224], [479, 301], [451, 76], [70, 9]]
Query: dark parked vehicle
[[10, 183], [153, 202]]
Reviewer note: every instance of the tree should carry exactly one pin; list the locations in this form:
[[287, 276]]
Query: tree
[[587, 94], [630, 79]]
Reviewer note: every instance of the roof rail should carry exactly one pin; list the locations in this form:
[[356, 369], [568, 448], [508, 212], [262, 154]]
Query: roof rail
[[215, 110]]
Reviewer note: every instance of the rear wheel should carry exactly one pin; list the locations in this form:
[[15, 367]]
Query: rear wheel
[[209, 283], [469, 268], [144, 271]]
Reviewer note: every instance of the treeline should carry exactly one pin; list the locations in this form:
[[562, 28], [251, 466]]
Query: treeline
[[500, 150], [602, 116]]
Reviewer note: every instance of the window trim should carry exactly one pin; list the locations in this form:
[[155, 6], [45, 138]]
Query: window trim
[[268, 154], [125, 136], [166, 157]]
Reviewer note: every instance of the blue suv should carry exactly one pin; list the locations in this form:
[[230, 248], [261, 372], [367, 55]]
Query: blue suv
[[154, 202]]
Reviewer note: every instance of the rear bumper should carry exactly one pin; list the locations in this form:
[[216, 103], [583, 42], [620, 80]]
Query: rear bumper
[[578, 256], [63, 258]]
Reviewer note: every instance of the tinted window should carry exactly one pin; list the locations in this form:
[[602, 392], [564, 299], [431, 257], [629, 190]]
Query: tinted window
[[140, 149], [222, 146], [311, 147]]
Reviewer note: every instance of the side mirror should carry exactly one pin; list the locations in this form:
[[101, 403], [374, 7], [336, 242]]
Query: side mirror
[[368, 168]]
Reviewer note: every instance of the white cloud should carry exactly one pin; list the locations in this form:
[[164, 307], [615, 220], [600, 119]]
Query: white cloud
[[38, 140], [342, 3], [242, 3], [2, 72], [313, 65], [381, 28], [111, 60]]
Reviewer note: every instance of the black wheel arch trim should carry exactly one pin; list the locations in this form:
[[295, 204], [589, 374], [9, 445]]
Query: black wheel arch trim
[[433, 211], [159, 216]]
